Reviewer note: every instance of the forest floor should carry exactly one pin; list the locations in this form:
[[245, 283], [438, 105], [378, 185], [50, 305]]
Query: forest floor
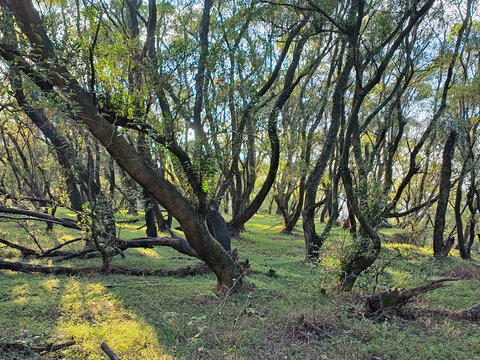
[[295, 314]]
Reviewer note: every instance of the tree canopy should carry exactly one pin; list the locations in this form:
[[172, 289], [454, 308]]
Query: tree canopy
[[356, 112]]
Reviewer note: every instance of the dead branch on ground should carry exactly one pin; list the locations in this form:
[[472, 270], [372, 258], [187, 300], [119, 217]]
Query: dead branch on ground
[[391, 303], [111, 269], [22, 348]]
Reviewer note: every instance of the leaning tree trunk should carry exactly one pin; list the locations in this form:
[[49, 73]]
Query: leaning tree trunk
[[440, 248], [193, 224]]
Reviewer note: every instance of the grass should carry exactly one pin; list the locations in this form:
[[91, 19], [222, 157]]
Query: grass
[[183, 318]]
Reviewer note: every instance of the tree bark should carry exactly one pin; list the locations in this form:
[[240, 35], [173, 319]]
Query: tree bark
[[312, 240], [440, 248], [464, 254]]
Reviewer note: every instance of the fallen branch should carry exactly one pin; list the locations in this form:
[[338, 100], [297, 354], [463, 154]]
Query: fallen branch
[[22, 348], [25, 251], [128, 221], [175, 242], [178, 243], [111, 269], [76, 254], [399, 297], [52, 250], [34, 215], [30, 252], [106, 349], [391, 303]]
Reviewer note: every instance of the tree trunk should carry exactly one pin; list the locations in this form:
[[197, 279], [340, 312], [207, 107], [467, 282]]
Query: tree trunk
[[440, 248], [312, 240], [293, 218], [458, 219], [238, 222], [151, 225], [193, 223]]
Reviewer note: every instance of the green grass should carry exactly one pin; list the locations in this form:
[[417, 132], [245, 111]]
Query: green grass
[[183, 318]]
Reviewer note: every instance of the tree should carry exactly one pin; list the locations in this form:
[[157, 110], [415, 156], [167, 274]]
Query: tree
[[56, 79]]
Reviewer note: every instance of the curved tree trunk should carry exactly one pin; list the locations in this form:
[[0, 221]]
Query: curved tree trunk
[[238, 222], [293, 218]]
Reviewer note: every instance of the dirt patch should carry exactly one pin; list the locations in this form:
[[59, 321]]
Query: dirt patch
[[308, 330]]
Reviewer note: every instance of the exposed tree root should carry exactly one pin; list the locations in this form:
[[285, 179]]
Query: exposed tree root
[[390, 303], [112, 269]]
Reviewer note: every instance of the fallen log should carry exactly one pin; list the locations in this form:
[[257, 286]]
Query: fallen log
[[111, 269], [412, 313]]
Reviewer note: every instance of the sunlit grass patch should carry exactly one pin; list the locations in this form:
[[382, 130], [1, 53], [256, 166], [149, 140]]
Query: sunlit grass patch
[[406, 248], [149, 252], [260, 227], [390, 231], [92, 315]]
